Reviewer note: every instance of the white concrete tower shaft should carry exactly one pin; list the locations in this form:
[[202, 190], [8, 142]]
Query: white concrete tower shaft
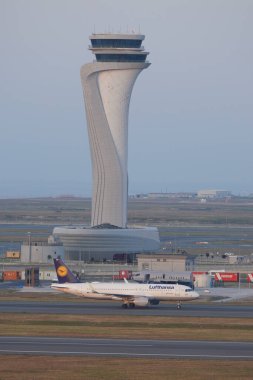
[[107, 85]]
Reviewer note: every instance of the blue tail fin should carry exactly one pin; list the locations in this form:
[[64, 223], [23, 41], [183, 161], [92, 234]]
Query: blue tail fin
[[64, 274]]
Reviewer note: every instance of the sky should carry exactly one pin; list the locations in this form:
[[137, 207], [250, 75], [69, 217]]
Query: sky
[[191, 111]]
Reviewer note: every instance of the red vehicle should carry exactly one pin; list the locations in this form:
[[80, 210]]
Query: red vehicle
[[11, 276], [127, 274], [226, 277]]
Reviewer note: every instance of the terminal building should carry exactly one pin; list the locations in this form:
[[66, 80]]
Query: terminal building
[[41, 252], [107, 86], [165, 262], [213, 194]]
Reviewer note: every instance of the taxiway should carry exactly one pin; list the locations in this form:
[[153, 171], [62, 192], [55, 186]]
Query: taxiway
[[114, 308], [126, 348]]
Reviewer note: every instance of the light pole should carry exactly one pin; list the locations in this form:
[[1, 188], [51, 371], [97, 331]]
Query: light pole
[[30, 248]]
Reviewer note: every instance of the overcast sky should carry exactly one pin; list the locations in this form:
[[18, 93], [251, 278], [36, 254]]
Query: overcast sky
[[191, 111]]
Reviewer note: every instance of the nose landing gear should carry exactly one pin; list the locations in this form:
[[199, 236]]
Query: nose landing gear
[[179, 306]]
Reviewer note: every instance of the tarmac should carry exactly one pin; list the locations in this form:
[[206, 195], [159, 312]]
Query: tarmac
[[151, 348]]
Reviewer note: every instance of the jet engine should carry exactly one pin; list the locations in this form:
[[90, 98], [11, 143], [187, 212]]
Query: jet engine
[[141, 301]]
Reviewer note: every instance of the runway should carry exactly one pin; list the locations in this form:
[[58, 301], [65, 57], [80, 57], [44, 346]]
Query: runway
[[126, 348], [114, 308]]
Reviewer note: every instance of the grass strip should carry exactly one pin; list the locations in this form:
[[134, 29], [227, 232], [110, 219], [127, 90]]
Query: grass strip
[[65, 368], [129, 327]]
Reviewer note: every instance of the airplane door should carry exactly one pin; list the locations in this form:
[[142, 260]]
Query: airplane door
[[147, 277], [177, 290]]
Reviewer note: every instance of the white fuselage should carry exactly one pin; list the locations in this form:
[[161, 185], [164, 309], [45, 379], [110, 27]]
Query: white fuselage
[[131, 291]]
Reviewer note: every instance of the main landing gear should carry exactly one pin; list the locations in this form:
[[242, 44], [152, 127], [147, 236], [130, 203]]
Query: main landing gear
[[131, 305], [179, 306]]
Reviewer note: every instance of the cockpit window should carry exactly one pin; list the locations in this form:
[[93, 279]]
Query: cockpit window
[[188, 290]]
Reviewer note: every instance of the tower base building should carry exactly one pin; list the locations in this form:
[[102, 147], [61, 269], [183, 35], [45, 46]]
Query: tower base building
[[102, 244]]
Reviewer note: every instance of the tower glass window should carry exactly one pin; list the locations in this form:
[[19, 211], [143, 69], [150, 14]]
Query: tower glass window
[[115, 43], [121, 57]]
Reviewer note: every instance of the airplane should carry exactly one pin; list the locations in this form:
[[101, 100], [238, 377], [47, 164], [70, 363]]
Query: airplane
[[130, 294]]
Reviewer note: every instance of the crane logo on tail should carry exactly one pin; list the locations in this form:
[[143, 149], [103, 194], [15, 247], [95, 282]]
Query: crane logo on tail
[[62, 271]]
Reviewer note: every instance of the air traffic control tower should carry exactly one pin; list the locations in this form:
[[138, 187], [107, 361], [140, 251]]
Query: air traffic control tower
[[107, 85]]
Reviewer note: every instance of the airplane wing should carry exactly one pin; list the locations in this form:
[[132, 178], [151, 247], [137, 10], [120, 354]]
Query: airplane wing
[[140, 300]]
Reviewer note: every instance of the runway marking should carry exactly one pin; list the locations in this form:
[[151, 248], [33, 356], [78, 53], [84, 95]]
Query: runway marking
[[129, 354], [81, 343], [145, 342]]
